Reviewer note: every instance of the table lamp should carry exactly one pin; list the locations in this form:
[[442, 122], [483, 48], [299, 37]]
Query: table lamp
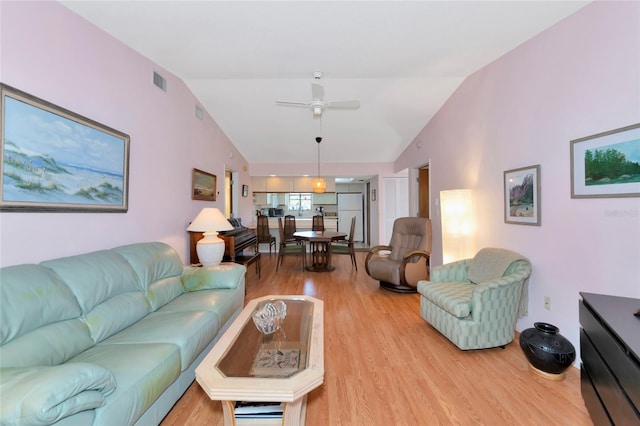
[[210, 249]]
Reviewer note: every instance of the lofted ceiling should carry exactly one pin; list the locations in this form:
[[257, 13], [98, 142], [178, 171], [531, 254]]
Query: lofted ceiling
[[400, 59]]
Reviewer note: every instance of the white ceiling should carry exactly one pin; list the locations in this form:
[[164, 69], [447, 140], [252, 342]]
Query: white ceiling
[[401, 59]]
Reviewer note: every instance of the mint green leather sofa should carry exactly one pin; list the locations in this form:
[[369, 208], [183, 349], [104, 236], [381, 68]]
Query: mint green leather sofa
[[110, 337], [476, 302]]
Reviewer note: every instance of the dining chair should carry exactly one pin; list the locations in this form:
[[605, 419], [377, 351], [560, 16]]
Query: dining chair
[[298, 248], [346, 246], [263, 235], [318, 223], [289, 227]]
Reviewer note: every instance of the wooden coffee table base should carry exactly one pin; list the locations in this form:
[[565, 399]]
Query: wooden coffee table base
[[294, 415]]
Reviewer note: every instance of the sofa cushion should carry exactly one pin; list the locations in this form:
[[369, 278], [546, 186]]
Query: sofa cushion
[[142, 372], [453, 297], [95, 277], [44, 395], [37, 297], [225, 275], [223, 303], [108, 291], [115, 314], [50, 344], [190, 331], [158, 268]]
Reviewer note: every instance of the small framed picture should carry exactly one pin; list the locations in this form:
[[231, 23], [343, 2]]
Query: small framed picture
[[607, 164], [245, 190], [522, 196], [203, 186]]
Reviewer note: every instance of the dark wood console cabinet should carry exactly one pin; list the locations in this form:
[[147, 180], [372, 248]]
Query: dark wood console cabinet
[[610, 364]]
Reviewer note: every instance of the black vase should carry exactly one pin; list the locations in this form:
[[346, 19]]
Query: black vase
[[547, 350]]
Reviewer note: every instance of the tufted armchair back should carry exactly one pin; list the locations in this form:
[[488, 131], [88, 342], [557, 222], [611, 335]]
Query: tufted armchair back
[[409, 233]]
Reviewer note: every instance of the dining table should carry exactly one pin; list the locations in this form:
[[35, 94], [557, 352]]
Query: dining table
[[320, 243]]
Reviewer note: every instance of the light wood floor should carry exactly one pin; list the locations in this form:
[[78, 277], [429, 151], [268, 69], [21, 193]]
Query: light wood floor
[[384, 365]]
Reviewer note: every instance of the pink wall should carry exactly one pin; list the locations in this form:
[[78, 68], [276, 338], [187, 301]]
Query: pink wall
[[576, 79], [53, 54]]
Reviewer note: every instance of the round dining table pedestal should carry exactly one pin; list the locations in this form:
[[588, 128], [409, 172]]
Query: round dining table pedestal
[[320, 242]]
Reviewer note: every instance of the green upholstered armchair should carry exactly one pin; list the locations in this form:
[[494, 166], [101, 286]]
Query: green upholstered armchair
[[476, 302]]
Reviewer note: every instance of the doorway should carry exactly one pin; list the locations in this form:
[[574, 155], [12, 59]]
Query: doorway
[[228, 193], [423, 192]]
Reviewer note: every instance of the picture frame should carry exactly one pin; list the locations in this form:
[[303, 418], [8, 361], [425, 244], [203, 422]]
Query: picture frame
[[606, 165], [54, 160], [203, 185], [522, 196], [245, 190]]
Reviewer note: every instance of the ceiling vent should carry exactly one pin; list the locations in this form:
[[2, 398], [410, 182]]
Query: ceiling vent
[[160, 81]]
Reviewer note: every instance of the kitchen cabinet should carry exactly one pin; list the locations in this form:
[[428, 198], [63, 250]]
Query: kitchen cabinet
[[349, 187], [279, 184], [303, 184], [324, 198], [259, 184]]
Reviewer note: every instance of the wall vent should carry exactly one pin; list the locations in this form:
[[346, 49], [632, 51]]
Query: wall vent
[[160, 81], [199, 112]]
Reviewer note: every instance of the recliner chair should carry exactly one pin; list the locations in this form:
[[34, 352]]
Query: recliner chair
[[405, 261]]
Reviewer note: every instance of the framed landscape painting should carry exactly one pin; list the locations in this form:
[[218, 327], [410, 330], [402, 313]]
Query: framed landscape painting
[[606, 164], [52, 159], [203, 186], [522, 196]]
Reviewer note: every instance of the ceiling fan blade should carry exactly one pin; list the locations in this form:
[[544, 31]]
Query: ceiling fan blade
[[297, 104], [343, 104], [317, 91]]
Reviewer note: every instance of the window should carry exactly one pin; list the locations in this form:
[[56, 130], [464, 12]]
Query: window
[[300, 202]]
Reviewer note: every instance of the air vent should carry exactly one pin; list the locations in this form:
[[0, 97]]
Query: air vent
[[159, 81], [199, 113]]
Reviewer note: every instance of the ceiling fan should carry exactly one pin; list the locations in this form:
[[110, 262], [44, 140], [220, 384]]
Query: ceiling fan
[[317, 104]]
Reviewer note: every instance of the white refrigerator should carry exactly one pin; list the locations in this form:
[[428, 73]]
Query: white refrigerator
[[350, 205]]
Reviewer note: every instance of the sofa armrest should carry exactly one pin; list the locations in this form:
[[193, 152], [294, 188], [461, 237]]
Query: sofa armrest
[[225, 275], [451, 272], [44, 395]]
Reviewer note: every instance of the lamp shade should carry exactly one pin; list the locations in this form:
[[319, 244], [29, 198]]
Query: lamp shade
[[319, 185], [457, 224], [210, 248], [209, 219]]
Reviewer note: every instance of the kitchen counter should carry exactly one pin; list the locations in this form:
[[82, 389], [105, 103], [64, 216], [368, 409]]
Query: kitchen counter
[[302, 224]]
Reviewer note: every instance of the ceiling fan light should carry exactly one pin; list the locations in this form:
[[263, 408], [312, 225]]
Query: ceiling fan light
[[319, 185]]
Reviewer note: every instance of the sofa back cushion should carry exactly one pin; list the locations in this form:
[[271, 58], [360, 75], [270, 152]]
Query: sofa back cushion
[[107, 289], [158, 268], [40, 320]]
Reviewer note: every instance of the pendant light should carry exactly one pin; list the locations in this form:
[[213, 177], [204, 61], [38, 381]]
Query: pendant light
[[319, 184]]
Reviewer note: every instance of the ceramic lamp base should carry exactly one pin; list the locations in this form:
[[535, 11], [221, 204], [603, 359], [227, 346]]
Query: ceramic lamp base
[[210, 249]]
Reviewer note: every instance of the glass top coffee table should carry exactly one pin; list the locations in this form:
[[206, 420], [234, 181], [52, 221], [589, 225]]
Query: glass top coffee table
[[283, 366]]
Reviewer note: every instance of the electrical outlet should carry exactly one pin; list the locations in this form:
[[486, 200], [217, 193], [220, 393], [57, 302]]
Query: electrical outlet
[[547, 303]]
